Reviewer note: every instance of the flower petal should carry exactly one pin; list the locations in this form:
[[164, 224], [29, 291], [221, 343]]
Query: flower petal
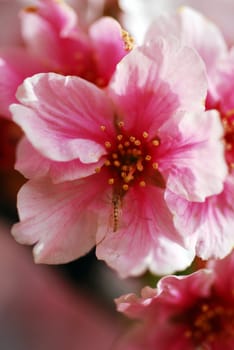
[[33, 165], [192, 155], [208, 226], [145, 236], [61, 117], [60, 219]]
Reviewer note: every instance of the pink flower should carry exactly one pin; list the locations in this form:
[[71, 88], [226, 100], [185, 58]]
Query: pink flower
[[107, 158], [210, 224], [54, 41], [184, 312]]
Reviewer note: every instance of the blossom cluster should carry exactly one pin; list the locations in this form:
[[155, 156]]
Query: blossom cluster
[[128, 146]]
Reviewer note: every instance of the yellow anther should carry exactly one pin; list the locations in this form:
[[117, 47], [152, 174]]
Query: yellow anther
[[107, 162], [132, 138], [102, 127], [114, 155], [139, 166], [155, 165], [31, 9], [128, 40], [121, 124], [97, 170], [126, 143], [155, 142], [145, 134], [124, 167], [137, 143], [148, 157], [123, 174], [204, 307], [111, 181], [107, 144], [117, 163], [125, 187], [119, 137], [142, 183]]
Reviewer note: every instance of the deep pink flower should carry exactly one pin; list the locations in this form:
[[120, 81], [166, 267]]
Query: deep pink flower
[[106, 158], [184, 312], [54, 41], [213, 220]]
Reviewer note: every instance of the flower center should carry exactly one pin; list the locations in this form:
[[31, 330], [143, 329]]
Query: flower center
[[130, 159], [208, 321]]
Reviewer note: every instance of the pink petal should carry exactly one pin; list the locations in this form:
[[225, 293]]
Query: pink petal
[[33, 165], [208, 226], [50, 31], [141, 97], [194, 30], [15, 65], [147, 87], [145, 236], [61, 117], [192, 155], [175, 61], [109, 45], [59, 219]]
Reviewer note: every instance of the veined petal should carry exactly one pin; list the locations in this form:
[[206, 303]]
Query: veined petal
[[142, 99], [109, 45], [33, 165], [60, 219], [144, 237], [61, 117], [15, 65], [192, 155], [209, 226]]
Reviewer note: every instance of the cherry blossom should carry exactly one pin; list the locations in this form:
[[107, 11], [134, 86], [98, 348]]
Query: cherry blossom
[[54, 41], [213, 220], [108, 157], [184, 312]]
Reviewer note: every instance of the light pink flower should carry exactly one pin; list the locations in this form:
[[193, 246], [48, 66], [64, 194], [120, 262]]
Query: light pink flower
[[184, 312], [213, 220], [54, 41], [107, 158]]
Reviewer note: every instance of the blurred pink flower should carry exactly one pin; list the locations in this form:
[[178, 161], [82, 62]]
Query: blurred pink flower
[[213, 220], [138, 16], [184, 312], [54, 41], [41, 310], [107, 158]]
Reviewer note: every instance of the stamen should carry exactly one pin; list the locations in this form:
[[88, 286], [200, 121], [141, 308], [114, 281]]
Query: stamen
[[114, 155], [97, 170], [126, 143], [155, 165], [120, 146], [142, 183], [119, 137], [117, 163], [107, 144], [121, 124], [137, 143], [111, 181], [128, 40], [145, 134], [102, 127], [125, 187], [132, 138], [107, 162], [148, 157], [155, 142]]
